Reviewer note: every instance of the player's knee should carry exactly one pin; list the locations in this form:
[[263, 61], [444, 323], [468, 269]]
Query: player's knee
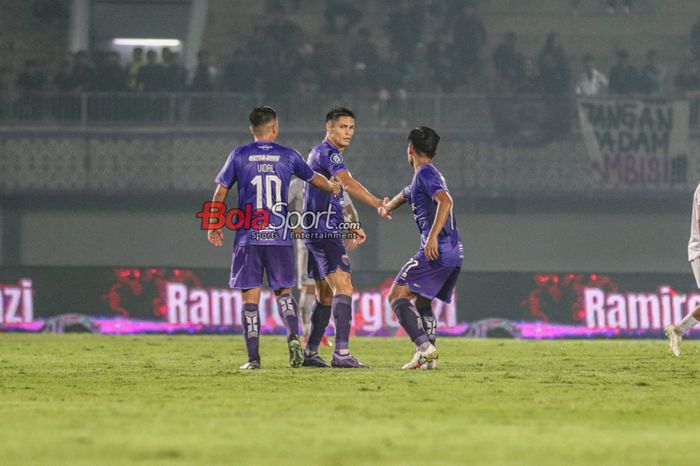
[[283, 291], [324, 295], [393, 296], [342, 283], [343, 288], [398, 292]]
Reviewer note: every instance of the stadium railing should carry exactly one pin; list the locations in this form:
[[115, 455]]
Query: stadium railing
[[457, 111], [463, 111]]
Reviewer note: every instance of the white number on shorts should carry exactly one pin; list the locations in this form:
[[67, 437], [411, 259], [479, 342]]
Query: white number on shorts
[[412, 262], [272, 184]]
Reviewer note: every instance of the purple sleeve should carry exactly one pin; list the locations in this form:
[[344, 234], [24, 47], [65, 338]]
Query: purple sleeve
[[335, 163], [406, 193], [432, 182], [301, 168], [227, 176]]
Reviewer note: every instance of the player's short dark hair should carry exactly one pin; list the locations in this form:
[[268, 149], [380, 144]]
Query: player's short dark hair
[[261, 116], [337, 112], [424, 140]]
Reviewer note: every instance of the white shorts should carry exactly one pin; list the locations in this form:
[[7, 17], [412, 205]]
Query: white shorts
[[695, 265], [302, 266]]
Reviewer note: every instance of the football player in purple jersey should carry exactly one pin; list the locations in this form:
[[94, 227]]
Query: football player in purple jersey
[[433, 271], [263, 170], [329, 264]]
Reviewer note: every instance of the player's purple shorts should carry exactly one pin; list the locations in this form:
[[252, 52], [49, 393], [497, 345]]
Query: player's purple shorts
[[429, 279], [250, 261], [327, 256]]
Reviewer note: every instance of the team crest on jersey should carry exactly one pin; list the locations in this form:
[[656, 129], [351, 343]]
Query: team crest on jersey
[[346, 259], [265, 147], [336, 158]]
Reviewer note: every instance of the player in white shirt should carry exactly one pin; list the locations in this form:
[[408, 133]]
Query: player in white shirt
[[675, 332], [307, 285]]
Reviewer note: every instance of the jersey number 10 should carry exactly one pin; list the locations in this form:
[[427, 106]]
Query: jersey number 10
[[272, 185]]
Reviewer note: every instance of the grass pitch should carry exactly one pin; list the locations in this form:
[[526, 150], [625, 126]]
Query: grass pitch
[[87, 399]]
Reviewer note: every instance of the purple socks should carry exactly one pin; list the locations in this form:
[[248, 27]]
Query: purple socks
[[319, 321], [250, 317], [287, 306], [342, 315], [429, 322], [410, 320]]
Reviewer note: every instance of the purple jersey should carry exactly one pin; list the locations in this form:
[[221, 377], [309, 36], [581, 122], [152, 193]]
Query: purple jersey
[[427, 182], [327, 160], [263, 171]]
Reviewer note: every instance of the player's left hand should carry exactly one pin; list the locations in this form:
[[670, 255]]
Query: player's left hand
[[360, 236], [352, 243], [431, 248], [216, 237]]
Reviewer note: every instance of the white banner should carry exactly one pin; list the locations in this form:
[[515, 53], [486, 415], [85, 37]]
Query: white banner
[[636, 141]]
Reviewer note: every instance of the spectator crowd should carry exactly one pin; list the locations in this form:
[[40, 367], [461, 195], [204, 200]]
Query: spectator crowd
[[430, 46], [78, 74]]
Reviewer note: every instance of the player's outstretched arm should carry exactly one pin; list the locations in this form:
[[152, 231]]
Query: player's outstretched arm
[[444, 207], [386, 209], [357, 190], [321, 182], [216, 237]]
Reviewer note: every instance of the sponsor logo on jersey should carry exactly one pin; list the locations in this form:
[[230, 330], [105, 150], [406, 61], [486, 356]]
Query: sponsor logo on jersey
[[336, 158], [263, 158]]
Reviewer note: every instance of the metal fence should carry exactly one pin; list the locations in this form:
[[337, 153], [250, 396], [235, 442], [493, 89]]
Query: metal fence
[[458, 111], [472, 112]]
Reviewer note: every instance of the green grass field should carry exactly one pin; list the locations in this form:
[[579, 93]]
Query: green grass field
[[88, 399]]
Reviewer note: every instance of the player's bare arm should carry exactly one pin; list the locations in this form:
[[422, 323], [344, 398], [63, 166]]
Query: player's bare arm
[[385, 209], [357, 190], [324, 184], [444, 207], [216, 237]]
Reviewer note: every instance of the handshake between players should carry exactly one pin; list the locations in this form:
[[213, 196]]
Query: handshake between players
[[263, 171]]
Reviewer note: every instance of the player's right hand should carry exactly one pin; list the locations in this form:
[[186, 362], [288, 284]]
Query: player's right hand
[[216, 237], [383, 209], [335, 187], [431, 248]]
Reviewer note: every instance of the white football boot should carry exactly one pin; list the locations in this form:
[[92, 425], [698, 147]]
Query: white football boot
[[674, 340], [430, 365], [422, 357]]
